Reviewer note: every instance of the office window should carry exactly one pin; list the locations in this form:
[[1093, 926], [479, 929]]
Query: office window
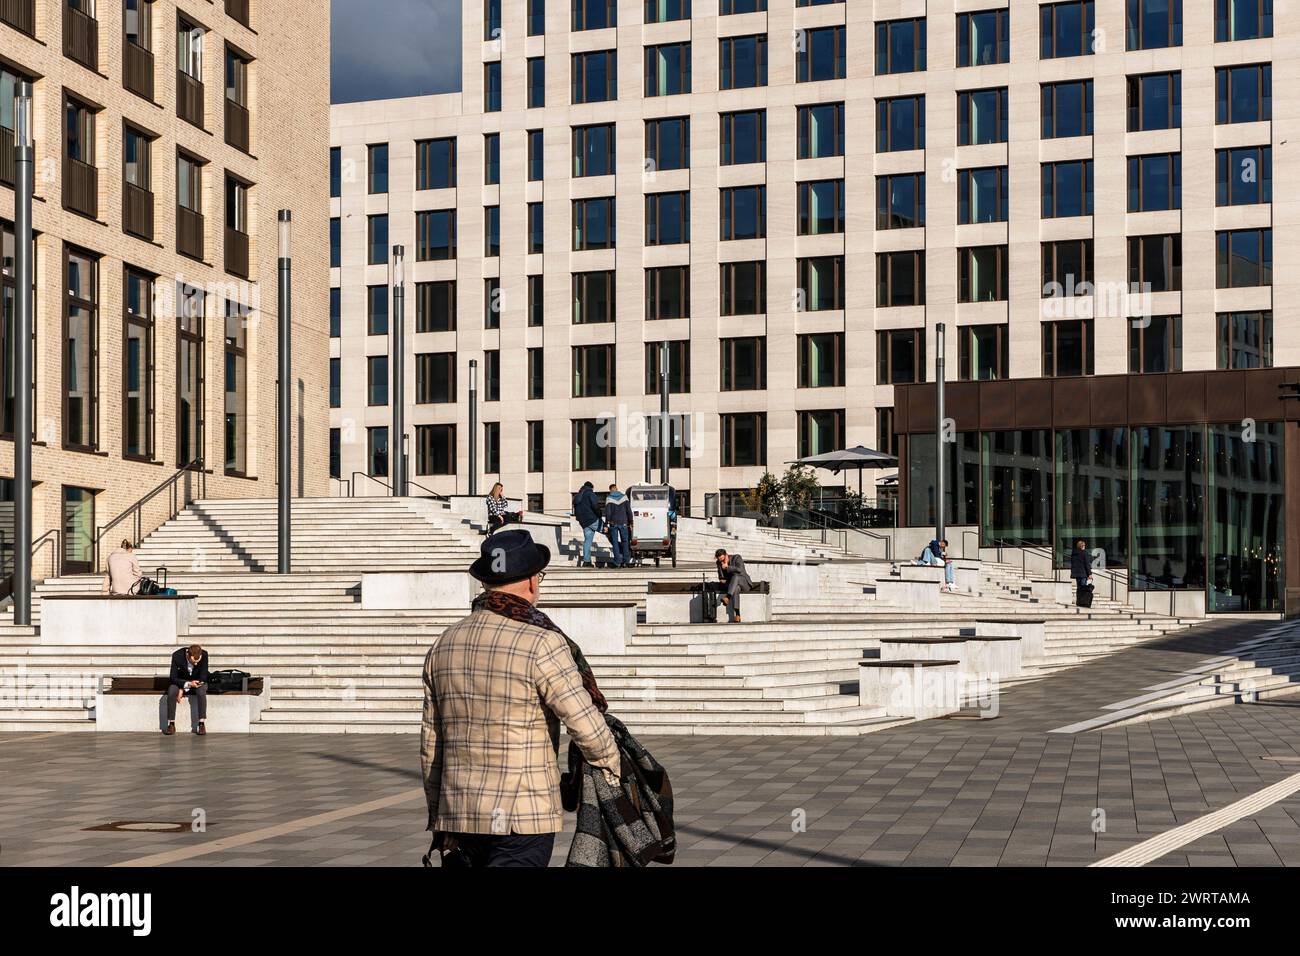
[[492, 376], [819, 54], [491, 19], [1067, 109], [593, 223], [336, 453], [821, 360], [593, 371], [1067, 268], [667, 218], [900, 124], [536, 170], [886, 438], [594, 14], [983, 37], [742, 364], [137, 367], [377, 168], [1066, 29], [592, 448], [1243, 94], [820, 432], [536, 228], [982, 274], [744, 137], [1243, 176], [900, 356], [1242, 19], [435, 306], [377, 380], [821, 207], [668, 69], [1067, 189], [536, 71], [236, 403], [1245, 340], [492, 159], [492, 447], [900, 278], [336, 383], [821, 283], [667, 11], [377, 310], [536, 374], [377, 240], [982, 195], [982, 117], [336, 172], [137, 175], [900, 46], [667, 143], [1155, 344], [435, 449], [536, 302], [744, 212], [668, 292], [536, 18], [728, 7], [435, 235], [744, 288], [377, 452], [81, 182], [336, 312], [1155, 101], [742, 62], [435, 378], [593, 297], [900, 201], [492, 303], [743, 440], [679, 367], [435, 163], [595, 76], [1243, 258], [189, 46], [821, 130], [1153, 24], [536, 449], [593, 150], [1155, 182], [1155, 263], [189, 374], [80, 350], [492, 87], [983, 352], [1068, 348]]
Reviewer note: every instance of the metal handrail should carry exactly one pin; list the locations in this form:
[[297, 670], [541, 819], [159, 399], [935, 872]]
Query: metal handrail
[[137, 510], [55, 535], [843, 531], [352, 485]]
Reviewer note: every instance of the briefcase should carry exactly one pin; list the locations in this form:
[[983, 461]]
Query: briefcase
[[228, 681]]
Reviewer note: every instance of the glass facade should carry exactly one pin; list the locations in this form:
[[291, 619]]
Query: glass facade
[[961, 482], [1247, 522], [1017, 478], [1092, 494]]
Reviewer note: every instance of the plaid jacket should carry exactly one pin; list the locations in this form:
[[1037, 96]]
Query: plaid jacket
[[493, 690]]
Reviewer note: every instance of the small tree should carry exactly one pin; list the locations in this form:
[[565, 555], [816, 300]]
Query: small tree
[[765, 497], [799, 486]]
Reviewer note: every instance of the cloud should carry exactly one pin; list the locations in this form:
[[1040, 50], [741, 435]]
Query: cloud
[[381, 49]]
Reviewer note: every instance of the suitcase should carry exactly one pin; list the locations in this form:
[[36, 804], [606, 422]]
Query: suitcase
[[1085, 597], [709, 604]]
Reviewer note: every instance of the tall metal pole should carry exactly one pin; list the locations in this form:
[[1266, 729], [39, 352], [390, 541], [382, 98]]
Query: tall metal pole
[[941, 444], [663, 413], [473, 426], [397, 396], [25, 182], [285, 404]]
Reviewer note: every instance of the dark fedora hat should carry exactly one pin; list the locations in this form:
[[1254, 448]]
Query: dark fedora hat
[[509, 556]]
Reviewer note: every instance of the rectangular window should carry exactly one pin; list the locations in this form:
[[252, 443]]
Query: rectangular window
[[536, 374], [667, 218], [982, 117], [742, 364], [668, 69], [592, 449], [336, 453], [492, 87], [1067, 189], [137, 176], [492, 159], [743, 440], [435, 378], [900, 356], [1067, 109], [728, 7], [1155, 101], [1153, 24], [80, 174], [536, 18], [667, 11], [491, 231], [679, 366], [536, 170], [900, 201], [492, 303], [900, 124], [900, 278], [189, 375], [668, 292], [435, 235], [1067, 268], [593, 223], [189, 49], [536, 69], [492, 447], [336, 383], [667, 144], [336, 172], [435, 306], [1243, 258], [821, 207], [377, 168], [821, 130], [744, 212], [744, 137], [1242, 19], [593, 150], [336, 243], [821, 360], [593, 297], [744, 288], [821, 432], [236, 404], [820, 54], [435, 449], [983, 352], [1155, 182], [492, 376], [982, 274], [336, 312], [1155, 263], [377, 310], [377, 240], [821, 283], [982, 195], [594, 14], [595, 76], [137, 367], [1243, 176], [593, 371], [80, 350], [742, 62], [536, 228], [900, 46], [377, 452], [536, 449], [1066, 29], [536, 302], [435, 163], [1068, 348], [1155, 344], [886, 438], [983, 37], [377, 380], [1243, 94], [1245, 340], [491, 19]]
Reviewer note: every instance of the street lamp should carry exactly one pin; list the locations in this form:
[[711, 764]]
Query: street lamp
[[24, 176], [284, 405], [397, 394]]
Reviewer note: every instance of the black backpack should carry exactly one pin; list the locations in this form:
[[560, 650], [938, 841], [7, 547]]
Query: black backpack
[[228, 682]]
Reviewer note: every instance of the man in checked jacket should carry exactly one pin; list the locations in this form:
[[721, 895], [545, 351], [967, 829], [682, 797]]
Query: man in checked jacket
[[496, 686]]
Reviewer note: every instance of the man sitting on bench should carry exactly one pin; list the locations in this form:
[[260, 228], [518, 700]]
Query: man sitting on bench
[[189, 676], [731, 570]]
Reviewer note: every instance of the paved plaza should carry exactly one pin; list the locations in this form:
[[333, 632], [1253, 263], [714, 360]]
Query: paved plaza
[[1004, 791]]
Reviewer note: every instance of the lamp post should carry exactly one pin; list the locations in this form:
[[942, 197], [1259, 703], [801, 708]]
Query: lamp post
[[941, 445], [284, 404], [24, 156], [663, 413], [473, 426], [398, 362]]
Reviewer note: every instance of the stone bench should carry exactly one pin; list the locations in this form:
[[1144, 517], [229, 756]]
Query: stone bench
[[117, 620], [139, 705], [1058, 592], [417, 590], [982, 658], [595, 628], [918, 688], [1030, 631], [682, 602], [789, 579], [966, 575], [921, 596]]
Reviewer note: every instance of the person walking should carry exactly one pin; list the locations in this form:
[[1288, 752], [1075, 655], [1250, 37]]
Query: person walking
[[618, 520], [497, 685], [587, 511], [1081, 571], [731, 570]]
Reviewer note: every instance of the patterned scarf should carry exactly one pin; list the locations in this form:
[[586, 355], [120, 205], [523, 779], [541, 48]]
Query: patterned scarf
[[517, 609]]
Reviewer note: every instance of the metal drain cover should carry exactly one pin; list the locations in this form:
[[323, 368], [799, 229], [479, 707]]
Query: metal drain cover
[[142, 826]]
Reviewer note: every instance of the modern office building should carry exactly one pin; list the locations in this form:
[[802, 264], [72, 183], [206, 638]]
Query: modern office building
[[795, 195], [167, 135]]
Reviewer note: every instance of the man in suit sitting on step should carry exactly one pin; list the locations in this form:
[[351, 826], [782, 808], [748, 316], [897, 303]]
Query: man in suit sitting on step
[[189, 676], [731, 570]]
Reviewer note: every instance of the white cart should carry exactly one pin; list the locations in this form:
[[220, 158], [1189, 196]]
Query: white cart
[[654, 523]]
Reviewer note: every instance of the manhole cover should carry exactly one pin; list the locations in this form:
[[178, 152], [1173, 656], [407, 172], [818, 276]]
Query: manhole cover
[[147, 826]]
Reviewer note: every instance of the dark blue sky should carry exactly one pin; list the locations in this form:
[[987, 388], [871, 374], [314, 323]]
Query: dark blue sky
[[387, 48]]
